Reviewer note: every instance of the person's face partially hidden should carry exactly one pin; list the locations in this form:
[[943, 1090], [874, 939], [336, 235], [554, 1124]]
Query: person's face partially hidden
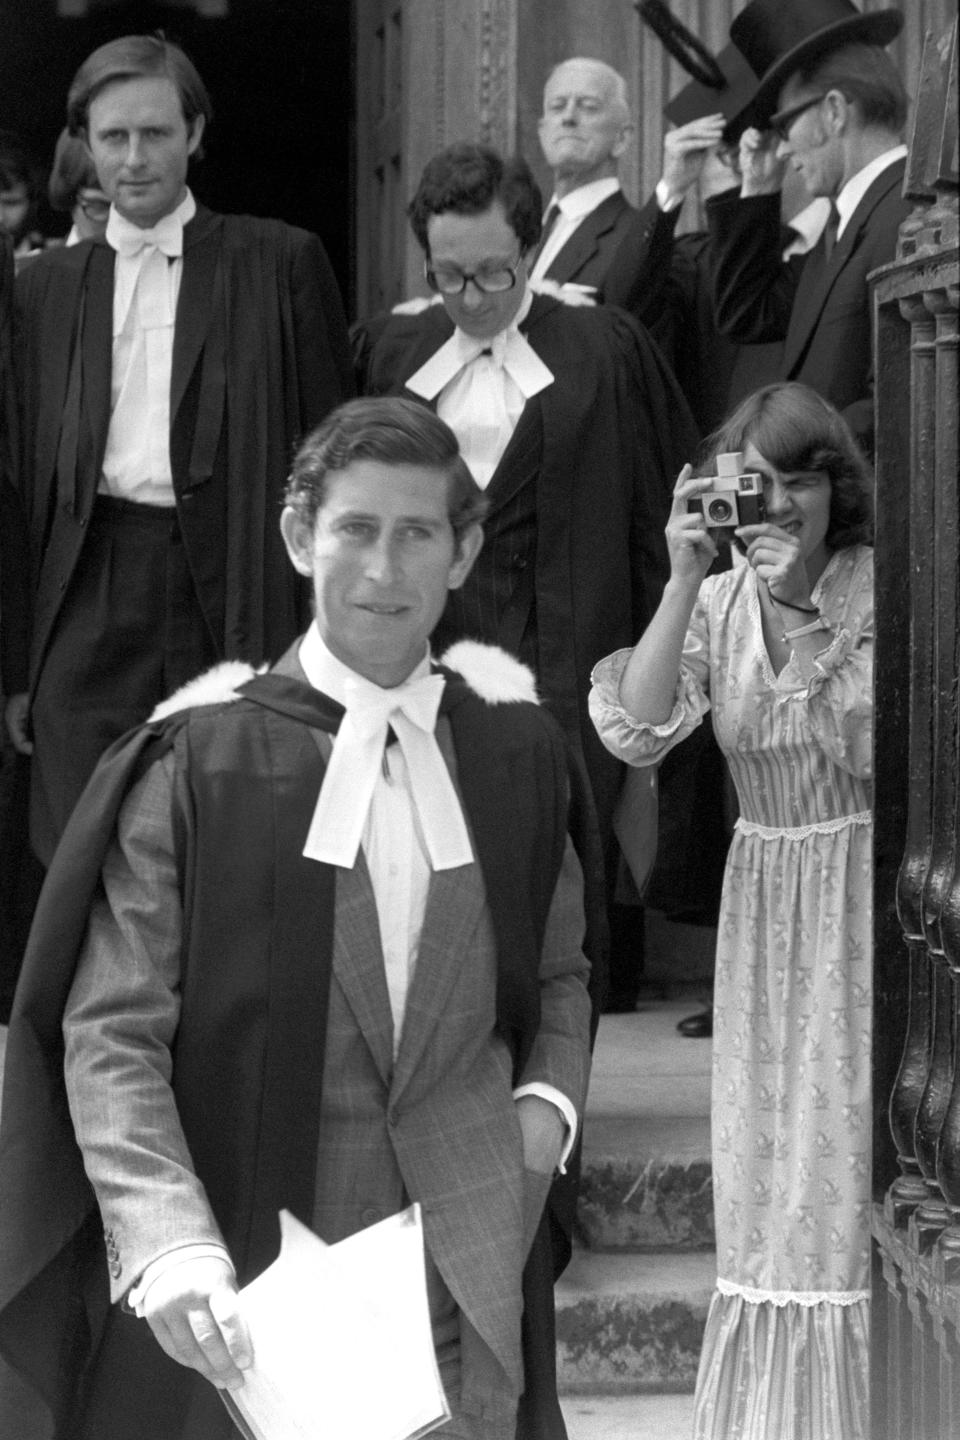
[[383, 557]]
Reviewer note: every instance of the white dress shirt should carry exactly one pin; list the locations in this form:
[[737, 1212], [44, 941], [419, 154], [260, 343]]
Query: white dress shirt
[[481, 387], [574, 209], [136, 462], [858, 185]]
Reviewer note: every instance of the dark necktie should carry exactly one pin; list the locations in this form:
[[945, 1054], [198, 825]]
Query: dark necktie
[[549, 220], [830, 232]]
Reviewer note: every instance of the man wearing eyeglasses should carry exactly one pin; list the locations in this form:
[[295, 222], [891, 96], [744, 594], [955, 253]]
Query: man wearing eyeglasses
[[831, 106], [567, 417], [163, 377]]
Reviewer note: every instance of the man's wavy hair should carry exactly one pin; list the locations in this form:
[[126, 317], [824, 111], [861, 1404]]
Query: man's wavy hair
[[795, 430], [466, 179], [393, 431], [137, 57]]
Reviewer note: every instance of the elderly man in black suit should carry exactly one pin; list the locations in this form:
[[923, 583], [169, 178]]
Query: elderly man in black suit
[[831, 105], [153, 450], [584, 130]]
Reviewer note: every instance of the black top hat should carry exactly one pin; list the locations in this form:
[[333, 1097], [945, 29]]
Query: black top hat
[[777, 37], [736, 92], [720, 86]]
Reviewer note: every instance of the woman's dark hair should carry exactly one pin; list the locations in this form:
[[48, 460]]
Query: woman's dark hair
[[73, 170], [394, 431], [795, 429], [137, 57], [466, 179]]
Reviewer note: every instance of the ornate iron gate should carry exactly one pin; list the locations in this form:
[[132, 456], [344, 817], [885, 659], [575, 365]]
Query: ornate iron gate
[[916, 1214]]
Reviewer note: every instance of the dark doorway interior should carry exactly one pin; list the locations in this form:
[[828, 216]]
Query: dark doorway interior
[[279, 73]]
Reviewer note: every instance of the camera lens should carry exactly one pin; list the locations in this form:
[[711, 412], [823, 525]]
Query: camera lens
[[719, 512]]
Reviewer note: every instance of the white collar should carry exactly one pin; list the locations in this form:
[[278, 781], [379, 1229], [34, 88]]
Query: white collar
[[581, 202], [121, 233], [329, 675], [858, 185], [509, 348]]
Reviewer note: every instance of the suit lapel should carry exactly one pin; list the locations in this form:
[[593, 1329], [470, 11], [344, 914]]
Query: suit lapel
[[97, 352], [585, 240], [201, 252], [818, 278], [358, 962]]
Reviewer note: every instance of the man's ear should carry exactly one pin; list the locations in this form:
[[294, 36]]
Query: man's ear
[[298, 538], [623, 139], [469, 547], [196, 134], [838, 110]]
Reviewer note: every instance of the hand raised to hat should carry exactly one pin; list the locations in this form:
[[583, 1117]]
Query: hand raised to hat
[[684, 151], [760, 171]]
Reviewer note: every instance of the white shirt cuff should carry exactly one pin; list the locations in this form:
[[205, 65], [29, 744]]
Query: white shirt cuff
[[666, 200], [136, 1296], [557, 1098]]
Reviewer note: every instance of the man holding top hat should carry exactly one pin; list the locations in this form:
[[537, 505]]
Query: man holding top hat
[[830, 105]]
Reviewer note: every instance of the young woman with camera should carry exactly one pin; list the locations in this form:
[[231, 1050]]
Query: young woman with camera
[[780, 648]]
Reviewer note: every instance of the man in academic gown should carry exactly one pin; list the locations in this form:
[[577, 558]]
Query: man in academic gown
[[569, 419], [303, 960], [164, 377]]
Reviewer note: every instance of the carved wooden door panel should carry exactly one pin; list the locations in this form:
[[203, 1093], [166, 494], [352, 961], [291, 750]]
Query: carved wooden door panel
[[916, 1220], [380, 232]]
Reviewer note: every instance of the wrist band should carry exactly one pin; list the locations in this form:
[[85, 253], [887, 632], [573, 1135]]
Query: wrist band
[[821, 623]]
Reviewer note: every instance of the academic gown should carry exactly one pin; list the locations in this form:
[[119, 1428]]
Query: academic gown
[[578, 504], [53, 1283], [259, 357]]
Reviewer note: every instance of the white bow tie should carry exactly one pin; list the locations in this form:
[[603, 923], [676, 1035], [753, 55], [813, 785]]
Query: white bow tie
[[510, 351], [344, 801], [128, 239]]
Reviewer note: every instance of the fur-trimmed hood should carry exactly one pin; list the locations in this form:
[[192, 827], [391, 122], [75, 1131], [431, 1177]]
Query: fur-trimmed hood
[[493, 674]]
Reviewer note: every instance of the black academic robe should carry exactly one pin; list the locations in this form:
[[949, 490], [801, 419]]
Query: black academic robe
[[594, 459], [259, 358], [515, 775]]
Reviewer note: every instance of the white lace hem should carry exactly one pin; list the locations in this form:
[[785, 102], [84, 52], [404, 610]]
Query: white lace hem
[[800, 832], [781, 1298]]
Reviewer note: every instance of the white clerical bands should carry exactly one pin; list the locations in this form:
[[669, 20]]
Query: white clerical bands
[[410, 710]]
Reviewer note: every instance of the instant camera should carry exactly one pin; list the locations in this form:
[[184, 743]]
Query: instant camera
[[735, 497]]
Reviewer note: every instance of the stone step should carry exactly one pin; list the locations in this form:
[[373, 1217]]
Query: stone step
[[646, 1141], [629, 1323], [628, 1417]]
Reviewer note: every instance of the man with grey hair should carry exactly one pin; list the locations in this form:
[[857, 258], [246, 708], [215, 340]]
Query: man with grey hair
[[584, 129]]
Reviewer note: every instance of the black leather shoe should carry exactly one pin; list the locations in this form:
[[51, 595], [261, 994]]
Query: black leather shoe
[[699, 1026]]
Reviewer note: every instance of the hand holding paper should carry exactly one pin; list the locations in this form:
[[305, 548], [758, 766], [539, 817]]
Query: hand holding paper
[[193, 1310]]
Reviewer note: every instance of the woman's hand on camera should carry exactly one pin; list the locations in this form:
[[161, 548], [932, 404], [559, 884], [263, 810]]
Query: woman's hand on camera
[[692, 548], [776, 556]]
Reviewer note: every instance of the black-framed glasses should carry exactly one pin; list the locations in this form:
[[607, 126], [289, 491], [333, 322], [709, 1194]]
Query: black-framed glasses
[[94, 208], [782, 122], [488, 282]]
